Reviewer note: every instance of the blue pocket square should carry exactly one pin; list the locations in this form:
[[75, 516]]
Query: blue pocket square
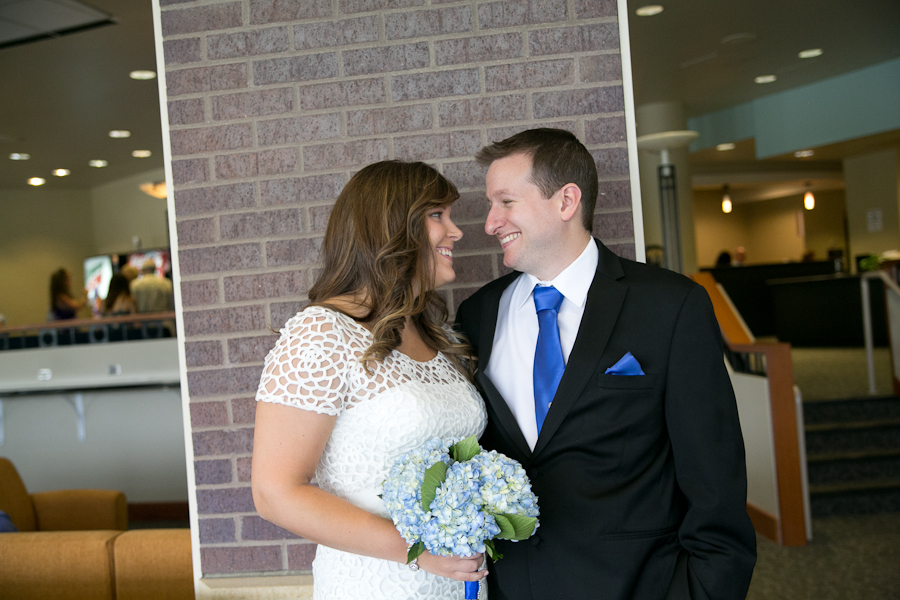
[[627, 365]]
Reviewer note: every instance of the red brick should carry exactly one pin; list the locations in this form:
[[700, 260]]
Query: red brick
[[277, 161], [219, 258], [252, 104], [212, 472], [605, 131], [614, 226], [186, 112], [300, 556], [247, 559], [271, 11], [468, 174], [248, 43], [623, 250], [194, 170], [342, 93], [235, 380], [422, 23], [435, 84], [317, 188], [438, 145], [482, 110], [195, 231], [293, 252], [614, 194], [520, 76], [264, 286], [224, 320], [296, 130], [401, 57], [567, 103], [318, 217], [582, 38], [474, 237], [591, 9], [208, 414], [611, 161], [217, 531], [471, 205], [225, 500], [186, 50], [250, 350], [223, 441], [282, 311], [244, 468], [497, 134], [201, 18], [203, 354], [260, 224], [237, 166], [256, 528], [344, 154], [211, 139], [214, 199], [336, 33], [471, 269], [357, 6], [199, 293], [295, 68], [389, 120], [477, 49], [461, 294], [206, 79], [243, 410], [600, 67], [521, 12]]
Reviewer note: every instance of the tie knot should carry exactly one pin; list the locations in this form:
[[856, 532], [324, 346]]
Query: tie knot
[[547, 298]]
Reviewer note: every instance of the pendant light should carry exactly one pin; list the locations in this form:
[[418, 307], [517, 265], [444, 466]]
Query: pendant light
[[809, 201], [726, 200]]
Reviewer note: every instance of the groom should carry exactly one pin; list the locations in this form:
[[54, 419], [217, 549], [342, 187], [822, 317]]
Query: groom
[[605, 378]]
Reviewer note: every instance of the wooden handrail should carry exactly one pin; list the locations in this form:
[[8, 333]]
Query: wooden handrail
[[77, 323]]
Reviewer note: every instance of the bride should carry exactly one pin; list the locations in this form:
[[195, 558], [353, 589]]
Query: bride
[[365, 373]]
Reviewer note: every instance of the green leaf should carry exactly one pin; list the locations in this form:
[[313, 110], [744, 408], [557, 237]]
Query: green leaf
[[515, 527], [466, 449], [492, 551], [434, 477], [415, 551]]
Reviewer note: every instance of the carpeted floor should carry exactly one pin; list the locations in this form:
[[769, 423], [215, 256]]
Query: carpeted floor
[[839, 373], [850, 558]]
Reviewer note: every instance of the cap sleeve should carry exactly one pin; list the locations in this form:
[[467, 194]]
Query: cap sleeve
[[307, 368]]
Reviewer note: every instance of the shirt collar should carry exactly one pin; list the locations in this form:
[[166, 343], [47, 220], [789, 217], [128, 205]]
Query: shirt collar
[[573, 282]]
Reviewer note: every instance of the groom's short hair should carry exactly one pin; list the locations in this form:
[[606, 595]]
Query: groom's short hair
[[557, 158]]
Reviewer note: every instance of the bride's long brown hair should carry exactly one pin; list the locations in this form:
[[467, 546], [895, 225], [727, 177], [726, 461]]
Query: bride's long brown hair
[[377, 250]]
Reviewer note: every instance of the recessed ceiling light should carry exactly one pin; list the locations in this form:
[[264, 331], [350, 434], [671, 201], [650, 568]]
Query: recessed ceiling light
[[811, 53], [119, 133], [736, 39], [649, 10], [141, 153], [36, 181], [61, 172], [724, 147], [97, 163], [765, 79], [19, 156], [142, 75], [804, 153]]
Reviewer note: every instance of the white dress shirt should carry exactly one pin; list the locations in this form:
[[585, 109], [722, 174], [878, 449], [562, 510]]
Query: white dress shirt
[[511, 367]]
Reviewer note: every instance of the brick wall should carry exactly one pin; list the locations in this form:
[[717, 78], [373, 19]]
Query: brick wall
[[273, 104]]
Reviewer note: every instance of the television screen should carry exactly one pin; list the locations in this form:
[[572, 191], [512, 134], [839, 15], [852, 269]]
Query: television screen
[[98, 270], [159, 257]]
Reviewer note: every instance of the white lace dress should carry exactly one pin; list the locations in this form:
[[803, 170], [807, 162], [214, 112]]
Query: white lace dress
[[402, 405]]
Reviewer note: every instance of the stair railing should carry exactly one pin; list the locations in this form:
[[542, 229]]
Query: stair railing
[[892, 304]]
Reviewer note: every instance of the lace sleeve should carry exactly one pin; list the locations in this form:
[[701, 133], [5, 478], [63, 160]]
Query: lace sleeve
[[307, 367]]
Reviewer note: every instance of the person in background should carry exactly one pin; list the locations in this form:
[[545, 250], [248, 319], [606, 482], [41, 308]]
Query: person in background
[[151, 292], [740, 257], [119, 300], [724, 259], [130, 273], [62, 304]]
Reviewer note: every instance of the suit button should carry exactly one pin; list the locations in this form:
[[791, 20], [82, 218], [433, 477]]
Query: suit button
[[535, 540]]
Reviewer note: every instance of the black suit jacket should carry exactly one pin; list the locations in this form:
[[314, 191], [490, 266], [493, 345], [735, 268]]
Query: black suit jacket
[[641, 480]]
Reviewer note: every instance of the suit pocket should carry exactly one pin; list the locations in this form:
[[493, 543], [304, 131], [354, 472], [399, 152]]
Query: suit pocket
[[626, 382]]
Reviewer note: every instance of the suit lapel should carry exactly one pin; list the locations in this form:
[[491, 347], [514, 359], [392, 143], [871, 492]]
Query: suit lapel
[[604, 302], [504, 416]]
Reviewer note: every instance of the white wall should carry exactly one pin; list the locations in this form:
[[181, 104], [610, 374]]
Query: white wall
[[872, 184], [120, 211]]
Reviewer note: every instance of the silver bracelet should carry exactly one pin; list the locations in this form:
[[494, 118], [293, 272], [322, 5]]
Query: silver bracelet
[[414, 564]]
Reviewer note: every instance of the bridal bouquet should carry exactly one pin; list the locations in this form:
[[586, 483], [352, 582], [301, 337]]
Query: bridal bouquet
[[455, 498]]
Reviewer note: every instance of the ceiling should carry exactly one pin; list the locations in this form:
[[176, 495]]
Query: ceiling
[[62, 95]]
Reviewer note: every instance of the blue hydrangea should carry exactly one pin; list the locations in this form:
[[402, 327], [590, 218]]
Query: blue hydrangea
[[402, 491]]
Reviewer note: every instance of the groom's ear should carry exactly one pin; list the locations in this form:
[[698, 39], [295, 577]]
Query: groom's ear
[[570, 201]]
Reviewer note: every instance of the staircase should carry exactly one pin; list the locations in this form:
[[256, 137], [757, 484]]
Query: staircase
[[853, 455]]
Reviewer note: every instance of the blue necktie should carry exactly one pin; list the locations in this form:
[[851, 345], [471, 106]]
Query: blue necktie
[[548, 356]]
